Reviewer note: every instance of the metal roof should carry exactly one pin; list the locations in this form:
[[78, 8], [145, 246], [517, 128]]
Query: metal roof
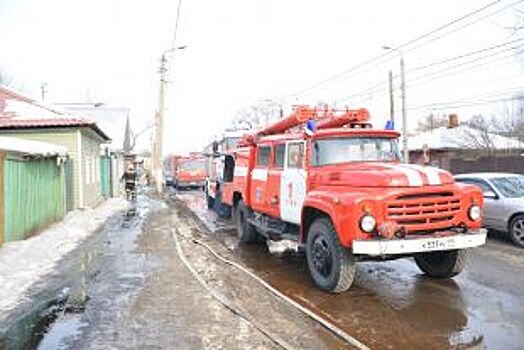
[[21, 112]]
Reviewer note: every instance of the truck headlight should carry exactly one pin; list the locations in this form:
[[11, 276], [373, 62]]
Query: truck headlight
[[368, 223], [474, 212]]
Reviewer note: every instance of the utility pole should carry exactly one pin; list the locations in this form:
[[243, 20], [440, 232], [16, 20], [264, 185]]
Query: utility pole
[[43, 90], [391, 98], [159, 129], [404, 113]]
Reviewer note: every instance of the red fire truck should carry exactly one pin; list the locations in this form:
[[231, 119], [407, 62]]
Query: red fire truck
[[188, 171], [216, 157], [331, 182]]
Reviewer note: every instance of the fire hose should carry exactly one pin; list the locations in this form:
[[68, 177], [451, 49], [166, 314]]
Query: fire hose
[[325, 323]]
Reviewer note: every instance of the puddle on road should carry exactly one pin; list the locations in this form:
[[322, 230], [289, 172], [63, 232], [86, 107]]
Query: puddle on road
[[54, 315], [68, 326], [390, 305]]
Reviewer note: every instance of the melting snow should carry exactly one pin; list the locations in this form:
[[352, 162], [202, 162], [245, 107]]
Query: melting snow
[[23, 263]]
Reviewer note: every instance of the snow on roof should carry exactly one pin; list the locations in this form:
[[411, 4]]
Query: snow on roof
[[19, 111], [36, 148], [461, 137]]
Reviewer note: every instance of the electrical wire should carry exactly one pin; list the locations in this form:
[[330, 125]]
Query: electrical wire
[[465, 104], [380, 86], [377, 59], [175, 31]]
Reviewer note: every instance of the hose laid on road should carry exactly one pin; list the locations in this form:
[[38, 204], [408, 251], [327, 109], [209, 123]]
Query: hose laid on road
[[325, 323], [225, 302]]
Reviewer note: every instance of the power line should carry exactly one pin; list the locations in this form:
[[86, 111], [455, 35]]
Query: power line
[[462, 104], [175, 31], [451, 59], [381, 85], [420, 79], [408, 43]]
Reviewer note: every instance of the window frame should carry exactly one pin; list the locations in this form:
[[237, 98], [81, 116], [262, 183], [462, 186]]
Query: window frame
[[259, 148], [275, 147]]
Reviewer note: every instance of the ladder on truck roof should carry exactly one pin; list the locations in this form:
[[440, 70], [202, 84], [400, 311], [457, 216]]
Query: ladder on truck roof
[[326, 118]]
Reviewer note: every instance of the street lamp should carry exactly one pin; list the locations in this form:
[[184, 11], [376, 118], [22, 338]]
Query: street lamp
[[404, 114], [159, 121]]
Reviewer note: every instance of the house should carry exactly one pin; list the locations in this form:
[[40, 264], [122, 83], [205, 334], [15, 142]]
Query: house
[[114, 121], [23, 117], [32, 187], [460, 148]]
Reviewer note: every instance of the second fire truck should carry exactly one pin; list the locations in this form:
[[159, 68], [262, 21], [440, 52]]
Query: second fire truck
[[338, 187]]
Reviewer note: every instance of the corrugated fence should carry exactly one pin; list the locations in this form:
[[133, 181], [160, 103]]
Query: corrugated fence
[[34, 195]]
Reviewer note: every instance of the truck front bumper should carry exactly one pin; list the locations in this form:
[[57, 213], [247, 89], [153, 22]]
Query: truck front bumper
[[190, 183], [447, 240]]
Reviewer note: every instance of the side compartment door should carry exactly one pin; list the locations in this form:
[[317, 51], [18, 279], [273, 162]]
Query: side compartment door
[[259, 179], [293, 182]]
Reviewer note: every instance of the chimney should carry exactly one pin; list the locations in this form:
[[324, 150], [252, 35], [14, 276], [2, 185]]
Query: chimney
[[453, 121]]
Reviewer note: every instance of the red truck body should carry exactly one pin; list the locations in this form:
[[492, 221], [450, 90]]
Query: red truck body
[[347, 179], [189, 171]]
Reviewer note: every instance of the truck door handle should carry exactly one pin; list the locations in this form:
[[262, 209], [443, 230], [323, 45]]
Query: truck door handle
[[274, 200]]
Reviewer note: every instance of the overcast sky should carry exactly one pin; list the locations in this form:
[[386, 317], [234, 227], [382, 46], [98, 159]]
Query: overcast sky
[[241, 51]]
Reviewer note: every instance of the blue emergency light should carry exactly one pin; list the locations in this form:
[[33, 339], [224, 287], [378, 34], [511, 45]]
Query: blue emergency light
[[311, 126]]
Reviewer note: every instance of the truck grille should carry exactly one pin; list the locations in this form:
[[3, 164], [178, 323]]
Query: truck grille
[[424, 211]]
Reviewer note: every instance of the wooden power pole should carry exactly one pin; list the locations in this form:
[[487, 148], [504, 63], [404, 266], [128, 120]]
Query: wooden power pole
[[159, 129], [391, 98]]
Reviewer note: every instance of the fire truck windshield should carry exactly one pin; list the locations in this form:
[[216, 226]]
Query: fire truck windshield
[[354, 149], [192, 165], [230, 143]]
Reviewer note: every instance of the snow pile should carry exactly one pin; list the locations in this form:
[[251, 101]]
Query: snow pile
[[23, 263], [45, 149]]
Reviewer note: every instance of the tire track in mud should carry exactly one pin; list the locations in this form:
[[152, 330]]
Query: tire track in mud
[[276, 315], [412, 312]]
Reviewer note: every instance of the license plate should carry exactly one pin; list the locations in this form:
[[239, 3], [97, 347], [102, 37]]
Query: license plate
[[438, 244]]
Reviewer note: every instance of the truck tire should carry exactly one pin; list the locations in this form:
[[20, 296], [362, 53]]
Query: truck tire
[[442, 264], [331, 266], [516, 230], [245, 231]]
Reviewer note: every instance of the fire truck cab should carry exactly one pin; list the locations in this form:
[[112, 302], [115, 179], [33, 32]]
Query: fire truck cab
[[336, 186], [189, 171], [219, 153]]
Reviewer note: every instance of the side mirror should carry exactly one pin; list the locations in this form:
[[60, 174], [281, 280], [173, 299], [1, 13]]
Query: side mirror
[[490, 195], [215, 147]]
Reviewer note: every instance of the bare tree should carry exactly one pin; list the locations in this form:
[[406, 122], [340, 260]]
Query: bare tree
[[431, 122], [259, 114], [479, 135]]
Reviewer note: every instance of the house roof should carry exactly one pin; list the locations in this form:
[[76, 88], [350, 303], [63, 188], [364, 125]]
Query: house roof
[[18, 111], [34, 148], [461, 137]]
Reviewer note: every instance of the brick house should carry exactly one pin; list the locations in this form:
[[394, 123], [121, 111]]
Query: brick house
[[460, 148]]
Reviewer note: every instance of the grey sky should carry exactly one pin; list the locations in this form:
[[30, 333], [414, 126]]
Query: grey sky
[[240, 51]]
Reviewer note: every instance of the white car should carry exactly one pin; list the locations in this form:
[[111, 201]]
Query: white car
[[503, 202]]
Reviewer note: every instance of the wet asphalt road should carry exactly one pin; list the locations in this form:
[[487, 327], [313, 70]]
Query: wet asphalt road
[[391, 305]]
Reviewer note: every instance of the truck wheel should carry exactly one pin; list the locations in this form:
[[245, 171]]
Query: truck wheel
[[245, 231], [331, 266], [443, 264], [516, 230]]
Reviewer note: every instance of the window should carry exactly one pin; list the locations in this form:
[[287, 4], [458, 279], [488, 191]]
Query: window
[[295, 155], [263, 156], [354, 149], [484, 186], [510, 186], [280, 156]]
